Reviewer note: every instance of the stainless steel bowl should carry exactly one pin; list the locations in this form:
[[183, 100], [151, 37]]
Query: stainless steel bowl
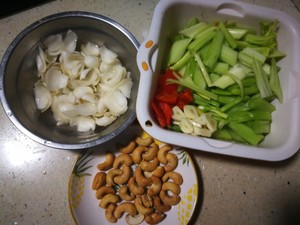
[[18, 74]]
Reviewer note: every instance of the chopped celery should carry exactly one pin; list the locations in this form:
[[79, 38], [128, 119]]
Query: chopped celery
[[260, 126], [177, 50], [227, 35], [202, 69], [192, 31], [274, 81], [204, 38], [246, 132], [261, 80], [237, 33], [228, 55], [214, 50], [182, 62], [221, 68]]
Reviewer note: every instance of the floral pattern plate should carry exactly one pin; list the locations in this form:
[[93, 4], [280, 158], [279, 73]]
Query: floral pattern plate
[[84, 205]]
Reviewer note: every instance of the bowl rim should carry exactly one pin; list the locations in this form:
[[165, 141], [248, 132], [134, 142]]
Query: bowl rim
[[9, 51]]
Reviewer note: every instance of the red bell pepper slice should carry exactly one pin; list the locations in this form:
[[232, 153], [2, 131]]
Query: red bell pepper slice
[[184, 98], [164, 86], [167, 97], [159, 114], [167, 111]]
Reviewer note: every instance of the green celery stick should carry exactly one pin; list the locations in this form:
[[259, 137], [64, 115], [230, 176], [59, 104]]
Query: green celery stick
[[214, 50], [228, 55], [178, 49], [227, 35], [275, 81]]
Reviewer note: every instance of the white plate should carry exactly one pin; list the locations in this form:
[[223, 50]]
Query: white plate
[[84, 205]]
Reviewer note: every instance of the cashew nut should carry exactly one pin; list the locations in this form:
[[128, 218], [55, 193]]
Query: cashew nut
[[162, 153], [151, 153], [107, 164], [144, 141], [129, 148], [134, 187], [147, 201], [149, 166], [124, 177], [125, 194], [122, 159], [176, 177], [123, 207], [109, 213], [159, 172], [104, 190], [155, 217], [137, 154], [111, 176], [99, 180], [141, 179], [155, 187], [108, 199], [140, 206], [134, 220], [172, 162], [159, 206], [172, 199]]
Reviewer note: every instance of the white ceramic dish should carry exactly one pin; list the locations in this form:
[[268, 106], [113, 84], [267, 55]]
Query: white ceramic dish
[[84, 205], [169, 16]]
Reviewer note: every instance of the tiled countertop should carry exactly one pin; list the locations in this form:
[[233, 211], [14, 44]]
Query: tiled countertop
[[34, 178]]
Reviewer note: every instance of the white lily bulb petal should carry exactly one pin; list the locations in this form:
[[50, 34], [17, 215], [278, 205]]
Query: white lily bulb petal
[[68, 110], [107, 55], [101, 107], [55, 79], [70, 41], [91, 49], [126, 87], [116, 103], [113, 76], [83, 123], [81, 91], [41, 61], [105, 120], [43, 97], [53, 44], [91, 61], [86, 109]]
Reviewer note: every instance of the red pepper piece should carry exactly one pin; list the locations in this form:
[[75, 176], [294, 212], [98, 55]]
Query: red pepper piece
[[184, 98], [167, 111], [167, 97], [164, 85], [159, 114]]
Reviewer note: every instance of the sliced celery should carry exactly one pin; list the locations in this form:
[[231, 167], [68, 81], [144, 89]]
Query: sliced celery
[[202, 69], [261, 80], [275, 82], [246, 133], [204, 38], [192, 31], [228, 55], [237, 33], [227, 35], [214, 50], [182, 62], [260, 126], [221, 68], [177, 50]]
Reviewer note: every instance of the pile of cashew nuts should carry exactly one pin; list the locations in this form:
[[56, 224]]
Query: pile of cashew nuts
[[140, 182]]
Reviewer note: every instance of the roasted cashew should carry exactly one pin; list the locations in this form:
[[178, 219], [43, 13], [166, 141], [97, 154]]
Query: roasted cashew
[[155, 187], [128, 148], [144, 141], [134, 220], [159, 206], [104, 190], [107, 164], [140, 206], [125, 194], [124, 177], [176, 177], [99, 180], [172, 162], [109, 213], [155, 217], [167, 199], [111, 176], [159, 171], [147, 201], [162, 153], [108, 199], [122, 159], [149, 166], [137, 154], [141, 179], [134, 187], [151, 153], [123, 207]]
